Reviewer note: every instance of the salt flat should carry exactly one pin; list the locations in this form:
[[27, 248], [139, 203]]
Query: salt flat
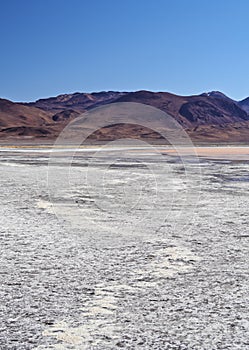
[[124, 249]]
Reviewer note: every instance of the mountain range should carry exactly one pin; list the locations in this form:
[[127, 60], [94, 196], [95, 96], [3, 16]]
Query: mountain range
[[209, 117]]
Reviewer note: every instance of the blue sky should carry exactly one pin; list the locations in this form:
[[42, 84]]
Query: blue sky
[[186, 47]]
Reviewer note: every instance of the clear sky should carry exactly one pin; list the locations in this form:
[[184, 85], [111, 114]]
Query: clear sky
[[49, 47]]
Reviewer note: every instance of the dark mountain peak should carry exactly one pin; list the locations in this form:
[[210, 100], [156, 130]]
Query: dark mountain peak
[[139, 94], [245, 100], [216, 94], [108, 93], [143, 92], [4, 101], [144, 95], [244, 104]]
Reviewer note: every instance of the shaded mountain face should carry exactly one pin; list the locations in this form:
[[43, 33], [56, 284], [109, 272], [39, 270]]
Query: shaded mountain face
[[244, 104], [207, 117], [65, 116], [212, 111], [191, 111]]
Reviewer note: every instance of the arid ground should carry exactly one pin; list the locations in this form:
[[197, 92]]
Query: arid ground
[[124, 249]]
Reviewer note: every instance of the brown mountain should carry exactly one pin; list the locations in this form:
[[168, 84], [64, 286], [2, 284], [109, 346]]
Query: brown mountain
[[19, 120], [17, 114], [209, 117], [191, 111], [78, 102]]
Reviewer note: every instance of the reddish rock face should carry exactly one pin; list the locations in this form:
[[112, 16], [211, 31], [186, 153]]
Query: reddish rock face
[[207, 117]]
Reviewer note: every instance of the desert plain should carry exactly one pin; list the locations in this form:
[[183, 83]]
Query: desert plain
[[124, 248]]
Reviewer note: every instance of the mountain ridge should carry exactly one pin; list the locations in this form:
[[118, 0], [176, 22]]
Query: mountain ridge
[[210, 116]]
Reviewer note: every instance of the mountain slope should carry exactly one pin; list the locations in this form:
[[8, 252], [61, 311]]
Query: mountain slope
[[21, 121], [78, 102], [217, 94], [14, 114], [244, 104], [191, 111], [209, 117]]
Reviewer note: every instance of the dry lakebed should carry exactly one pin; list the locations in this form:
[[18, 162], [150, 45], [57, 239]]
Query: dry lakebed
[[124, 249]]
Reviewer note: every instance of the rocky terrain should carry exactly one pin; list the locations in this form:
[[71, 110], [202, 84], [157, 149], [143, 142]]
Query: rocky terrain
[[208, 117]]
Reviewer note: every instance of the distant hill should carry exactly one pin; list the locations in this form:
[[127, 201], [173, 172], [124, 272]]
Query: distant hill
[[208, 117], [18, 120]]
